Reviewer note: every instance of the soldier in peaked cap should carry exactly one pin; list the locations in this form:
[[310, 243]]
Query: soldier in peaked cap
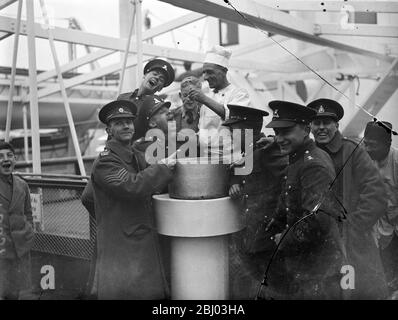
[[162, 66], [158, 74], [360, 189], [239, 113], [154, 114], [129, 264], [257, 191], [311, 249], [117, 109], [328, 115]]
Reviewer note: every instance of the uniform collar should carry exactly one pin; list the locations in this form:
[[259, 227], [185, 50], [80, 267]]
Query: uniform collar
[[308, 145], [334, 145], [142, 144], [134, 94], [195, 112], [121, 150]]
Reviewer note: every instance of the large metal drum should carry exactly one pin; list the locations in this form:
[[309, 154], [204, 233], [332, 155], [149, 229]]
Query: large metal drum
[[196, 178]]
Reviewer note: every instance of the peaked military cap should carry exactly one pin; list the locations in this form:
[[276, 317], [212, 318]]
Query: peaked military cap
[[327, 108], [287, 114], [150, 106], [117, 109], [242, 113], [164, 67]]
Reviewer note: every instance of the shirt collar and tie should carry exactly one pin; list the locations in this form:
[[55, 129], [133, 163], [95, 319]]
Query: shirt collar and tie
[[190, 115]]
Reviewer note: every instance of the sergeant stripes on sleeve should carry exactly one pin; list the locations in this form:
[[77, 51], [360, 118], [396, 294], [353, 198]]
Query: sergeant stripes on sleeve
[[121, 175]]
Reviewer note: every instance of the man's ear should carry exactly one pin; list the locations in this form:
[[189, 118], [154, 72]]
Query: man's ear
[[307, 129], [152, 124], [108, 131], [337, 125]]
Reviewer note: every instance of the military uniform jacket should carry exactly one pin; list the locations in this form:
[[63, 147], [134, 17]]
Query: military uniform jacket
[[128, 258], [16, 221], [261, 189], [138, 100], [361, 190], [313, 249]]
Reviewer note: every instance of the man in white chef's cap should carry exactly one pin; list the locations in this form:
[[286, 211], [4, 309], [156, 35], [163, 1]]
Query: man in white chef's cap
[[214, 108]]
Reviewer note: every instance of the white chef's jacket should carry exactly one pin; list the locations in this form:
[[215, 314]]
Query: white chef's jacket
[[210, 122]]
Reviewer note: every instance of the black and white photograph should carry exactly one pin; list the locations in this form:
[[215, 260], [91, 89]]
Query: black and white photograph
[[199, 154]]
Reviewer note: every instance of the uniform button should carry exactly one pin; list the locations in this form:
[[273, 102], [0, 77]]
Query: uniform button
[[286, 193], [246, 196], [247, 210], [287, 226], [289, 187], [287, 209], [307, 151], [285, 177], [265, 217], [244, 181]]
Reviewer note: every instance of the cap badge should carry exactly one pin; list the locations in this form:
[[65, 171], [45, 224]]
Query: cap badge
[[276, 115], [164, 67], [321, 109], [121, 110]]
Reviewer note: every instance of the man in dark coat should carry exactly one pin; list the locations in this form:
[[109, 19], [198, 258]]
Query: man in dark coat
[[129, 264], [360, 189], [158, 74], [257, 192], [16, 230], [306, 219]]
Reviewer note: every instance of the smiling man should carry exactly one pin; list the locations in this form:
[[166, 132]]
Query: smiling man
[[129, 264], [158, 74], [214, 104], [360, 189], [187, 115], [312, 249], [257, 194]]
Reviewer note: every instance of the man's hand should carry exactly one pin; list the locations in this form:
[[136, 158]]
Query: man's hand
[[277, 238], [197, 95], [265, 142], [170, 161], [236, 191]]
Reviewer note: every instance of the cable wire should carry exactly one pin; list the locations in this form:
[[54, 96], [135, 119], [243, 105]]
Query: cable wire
[[306, 65]]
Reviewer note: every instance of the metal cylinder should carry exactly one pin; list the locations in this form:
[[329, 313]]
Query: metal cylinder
[[199, 231], [196, 179], [199, 268]]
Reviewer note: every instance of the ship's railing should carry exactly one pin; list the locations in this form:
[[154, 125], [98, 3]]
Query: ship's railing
[[62, 224]]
